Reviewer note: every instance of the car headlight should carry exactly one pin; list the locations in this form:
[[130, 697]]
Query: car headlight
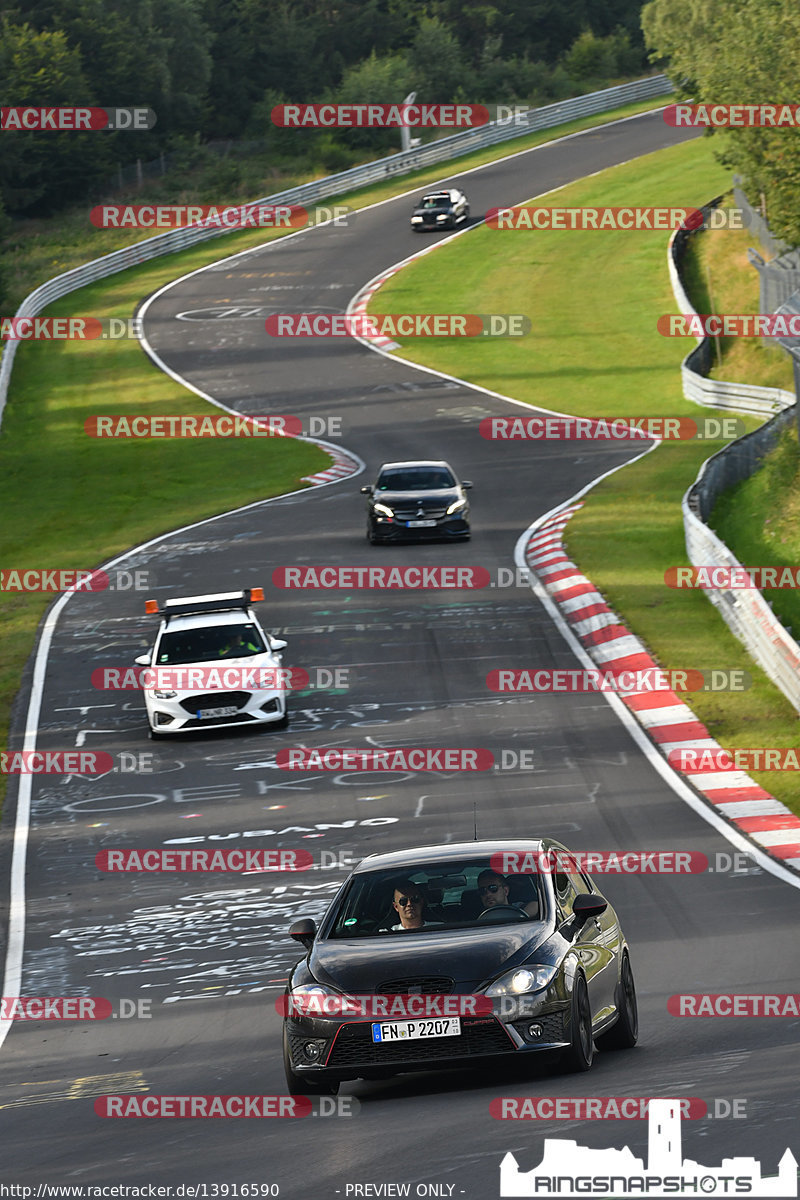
[[318, 1000], [521, 980], [456, 505], [442, 217], [159, 695], [415, 220], [383, 510]]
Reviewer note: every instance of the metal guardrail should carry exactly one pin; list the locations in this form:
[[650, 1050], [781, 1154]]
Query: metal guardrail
[[697, 387], [745, 611], [443, 150]]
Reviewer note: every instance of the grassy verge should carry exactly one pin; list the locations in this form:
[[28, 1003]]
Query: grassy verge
[[717, 273], [36, 250], [592, 356]]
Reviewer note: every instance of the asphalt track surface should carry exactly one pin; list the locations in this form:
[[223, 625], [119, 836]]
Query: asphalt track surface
[[210, 952]]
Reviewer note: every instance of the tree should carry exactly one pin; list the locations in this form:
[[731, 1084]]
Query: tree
[[722, 52]]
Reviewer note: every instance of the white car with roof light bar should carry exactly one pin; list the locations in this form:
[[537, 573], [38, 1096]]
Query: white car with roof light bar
[[212, 666]]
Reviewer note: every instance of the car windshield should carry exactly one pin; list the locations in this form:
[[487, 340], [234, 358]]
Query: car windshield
[[435, 202], [415, 479], [212, 643], [439, 896]]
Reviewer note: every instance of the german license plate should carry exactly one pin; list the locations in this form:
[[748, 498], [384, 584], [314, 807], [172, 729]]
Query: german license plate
[[206, 714], [398, 1031], [420, 524]]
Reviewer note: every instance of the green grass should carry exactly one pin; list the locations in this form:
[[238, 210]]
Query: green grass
[[594, 299], [760, 521]]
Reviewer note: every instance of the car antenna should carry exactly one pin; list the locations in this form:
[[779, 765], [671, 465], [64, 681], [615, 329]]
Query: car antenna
[[475, 818]]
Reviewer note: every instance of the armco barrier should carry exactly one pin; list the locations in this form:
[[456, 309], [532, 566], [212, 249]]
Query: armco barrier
[[745, 611], [332, 185], [715, 393]]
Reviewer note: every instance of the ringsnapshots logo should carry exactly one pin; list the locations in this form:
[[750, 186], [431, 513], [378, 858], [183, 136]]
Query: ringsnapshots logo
[[570, 1170], [74, 119]]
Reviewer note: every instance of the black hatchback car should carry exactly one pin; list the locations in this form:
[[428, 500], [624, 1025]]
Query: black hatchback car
[[417, 500], [441, 210], [436, 957]]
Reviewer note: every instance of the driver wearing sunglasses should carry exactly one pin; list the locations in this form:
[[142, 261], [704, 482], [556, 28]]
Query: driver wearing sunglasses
[[493, 890], [409, 904]]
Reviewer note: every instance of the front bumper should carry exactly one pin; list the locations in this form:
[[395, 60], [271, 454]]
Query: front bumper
[[394, 529], [346, 1049], [181, 714]]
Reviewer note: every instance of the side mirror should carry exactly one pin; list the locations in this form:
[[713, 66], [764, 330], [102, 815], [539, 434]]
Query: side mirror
[[304, 931], [585, 906], [466, 484], [143, 660], [278, 643], [366, 491]]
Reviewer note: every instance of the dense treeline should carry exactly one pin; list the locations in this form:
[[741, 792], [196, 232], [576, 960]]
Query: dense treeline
[[214, 69], [727, 52]]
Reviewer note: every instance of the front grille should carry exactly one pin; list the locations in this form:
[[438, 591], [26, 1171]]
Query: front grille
[[215, 700], [420, 985], [354, 1045], [413, 513], [209, 722]]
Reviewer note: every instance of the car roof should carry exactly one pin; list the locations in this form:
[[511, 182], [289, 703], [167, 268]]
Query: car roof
[[408, 860], [206, 620], [416, 462]]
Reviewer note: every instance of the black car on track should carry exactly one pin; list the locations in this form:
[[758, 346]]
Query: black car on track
[[441, 210], [417, 500], [437, 957]]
